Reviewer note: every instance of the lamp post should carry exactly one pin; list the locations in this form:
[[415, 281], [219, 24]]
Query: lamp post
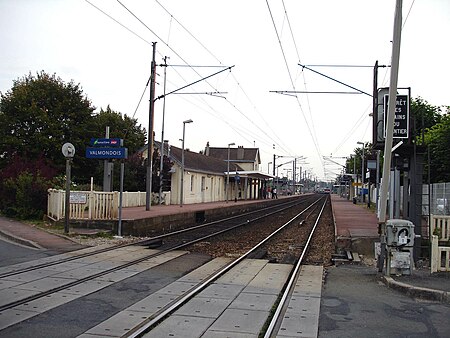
[[228, 171], [362, 172], [182, 162]]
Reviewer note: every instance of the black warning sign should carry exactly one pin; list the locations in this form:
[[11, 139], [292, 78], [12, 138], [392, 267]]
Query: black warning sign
[[401, 120]]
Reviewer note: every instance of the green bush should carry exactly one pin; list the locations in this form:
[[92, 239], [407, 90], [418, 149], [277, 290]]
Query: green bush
[[25, 196]]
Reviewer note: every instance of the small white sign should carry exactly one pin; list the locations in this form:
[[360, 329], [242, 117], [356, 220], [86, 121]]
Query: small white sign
[[78, 198], [401, 260]]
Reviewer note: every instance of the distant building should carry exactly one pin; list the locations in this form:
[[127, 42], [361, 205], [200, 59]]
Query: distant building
[[205, 174]]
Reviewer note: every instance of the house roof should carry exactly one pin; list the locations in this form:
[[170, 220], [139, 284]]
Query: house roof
[[209, 164], [247, 154], [199, 162]]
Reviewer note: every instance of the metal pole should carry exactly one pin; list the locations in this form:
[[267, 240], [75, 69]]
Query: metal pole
[[161, 165], [106, 171], [377, 183], [228, 175], [390, 130], [362, 172], [182, 162], [122, 170], [150, 132], [391, 108], [362, 175], [182, 167], [67, 204]]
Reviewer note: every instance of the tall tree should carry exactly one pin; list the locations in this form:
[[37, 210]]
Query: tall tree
[[39, 114], [134, 136], [437, 138], [424, 116]]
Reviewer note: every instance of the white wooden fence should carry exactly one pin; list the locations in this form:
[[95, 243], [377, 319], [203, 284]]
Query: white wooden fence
[[440, 232], [91, 205]]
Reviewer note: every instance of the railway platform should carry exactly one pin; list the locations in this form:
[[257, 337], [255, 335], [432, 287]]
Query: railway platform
[[356, 229]]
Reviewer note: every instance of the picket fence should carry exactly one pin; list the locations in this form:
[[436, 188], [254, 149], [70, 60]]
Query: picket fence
[[440, 243], [91, 205]]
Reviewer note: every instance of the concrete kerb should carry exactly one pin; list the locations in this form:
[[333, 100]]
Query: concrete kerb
[[417, 292], [19, 240]]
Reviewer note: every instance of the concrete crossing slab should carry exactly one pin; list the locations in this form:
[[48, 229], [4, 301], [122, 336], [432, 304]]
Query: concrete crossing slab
[[301, 318], [304, 304], [12, 316], [205, 270], [87, 287], [44, 284], [79, 273], [46, 303], [116, 276], [253, 301], [270, 280], [305, 325], [244, 271], [204, 307], [176, 288], [223, 334], [12, 294], [30, 276], [309, 282], [152, 303], [181, 327], [4, 284], [118, 325], [224, 291], [66, 266], [241, 321]]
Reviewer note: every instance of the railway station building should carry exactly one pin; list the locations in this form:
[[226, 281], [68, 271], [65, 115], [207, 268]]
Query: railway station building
[[205, 174]]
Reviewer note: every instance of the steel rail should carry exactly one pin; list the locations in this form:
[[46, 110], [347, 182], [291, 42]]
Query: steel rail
[[291, 284]]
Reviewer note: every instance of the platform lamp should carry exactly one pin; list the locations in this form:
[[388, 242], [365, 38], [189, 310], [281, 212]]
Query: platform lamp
[[182, 162], [362, 171], [228, 171]]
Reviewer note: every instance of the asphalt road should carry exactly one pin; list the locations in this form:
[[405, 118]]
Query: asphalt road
[[355, 303], [13, 253]]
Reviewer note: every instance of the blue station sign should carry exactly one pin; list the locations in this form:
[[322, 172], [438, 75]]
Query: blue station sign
[[106, 142], [105, 153]]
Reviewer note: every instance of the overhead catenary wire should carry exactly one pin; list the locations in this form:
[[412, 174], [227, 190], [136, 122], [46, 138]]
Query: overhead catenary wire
[[125, 27], [279, 142], [316, 145], [303, 73]]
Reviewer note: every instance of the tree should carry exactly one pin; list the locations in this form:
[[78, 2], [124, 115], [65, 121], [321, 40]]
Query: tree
[[437, 138], [424, 116], [39, 114], [134, 137]]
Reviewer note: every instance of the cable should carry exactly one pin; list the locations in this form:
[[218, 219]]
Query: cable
[[407, 15], [293, 85], [279, 142]]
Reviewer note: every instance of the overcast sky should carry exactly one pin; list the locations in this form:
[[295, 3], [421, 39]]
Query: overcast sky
[[264, 41]]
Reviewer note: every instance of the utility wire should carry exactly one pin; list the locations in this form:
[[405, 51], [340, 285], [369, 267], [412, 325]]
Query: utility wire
[[303, 73], [292, 83], [407, 15], [118, 22], [135, 16], [279, 142]]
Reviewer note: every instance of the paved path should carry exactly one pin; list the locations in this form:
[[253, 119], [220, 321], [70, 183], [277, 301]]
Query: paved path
[[353, 220], [31, 236]]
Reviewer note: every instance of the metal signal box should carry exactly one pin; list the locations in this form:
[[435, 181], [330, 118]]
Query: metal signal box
[[399, 233]]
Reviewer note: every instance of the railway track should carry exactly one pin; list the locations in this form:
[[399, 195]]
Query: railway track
[[229, 273], [191, 231], [136, 255]]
